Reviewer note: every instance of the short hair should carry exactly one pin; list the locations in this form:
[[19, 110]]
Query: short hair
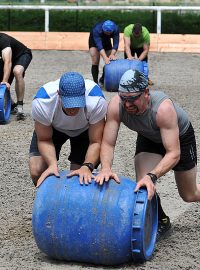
[[137, 29]]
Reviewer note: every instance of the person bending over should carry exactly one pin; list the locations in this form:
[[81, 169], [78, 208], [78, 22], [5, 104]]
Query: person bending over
[[100, 45], [73, 109], [165, 140]]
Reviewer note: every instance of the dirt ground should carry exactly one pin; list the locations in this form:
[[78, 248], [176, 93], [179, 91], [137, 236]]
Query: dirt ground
[[175, 73]]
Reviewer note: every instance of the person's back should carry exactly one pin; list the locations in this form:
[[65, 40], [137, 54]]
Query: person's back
[[15, 58], [17, 47]]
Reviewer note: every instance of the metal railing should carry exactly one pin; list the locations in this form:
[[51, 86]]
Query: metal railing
[[158, 9]]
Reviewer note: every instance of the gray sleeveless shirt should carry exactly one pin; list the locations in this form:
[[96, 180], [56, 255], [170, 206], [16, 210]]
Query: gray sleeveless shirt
[[145, 124]]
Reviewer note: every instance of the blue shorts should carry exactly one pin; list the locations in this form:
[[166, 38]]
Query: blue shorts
[[188, 157]]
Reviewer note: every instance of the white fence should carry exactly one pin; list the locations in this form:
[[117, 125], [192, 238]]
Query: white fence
[[158, 9]]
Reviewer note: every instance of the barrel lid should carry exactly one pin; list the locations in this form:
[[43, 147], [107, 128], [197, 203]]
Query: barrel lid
[[5, 103], [144, 226]]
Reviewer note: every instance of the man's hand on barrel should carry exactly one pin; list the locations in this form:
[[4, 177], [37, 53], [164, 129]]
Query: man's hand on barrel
[[112, 57], [51, 170], [105, 175], [84, 173], [7, 84], [146, 182]]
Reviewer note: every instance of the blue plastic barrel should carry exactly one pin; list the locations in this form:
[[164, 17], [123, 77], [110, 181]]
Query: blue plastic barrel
[[5, 104], [114, 71], [108, 225]]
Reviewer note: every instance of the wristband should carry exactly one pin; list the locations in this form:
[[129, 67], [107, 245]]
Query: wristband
[[153, 177], [89, 165]]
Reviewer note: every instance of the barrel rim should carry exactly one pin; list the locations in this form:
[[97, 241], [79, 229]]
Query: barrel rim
[[141, 252], [4, 112]]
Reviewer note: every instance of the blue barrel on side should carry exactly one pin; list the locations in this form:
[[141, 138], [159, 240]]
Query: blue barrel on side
[[108, 225], [114, 71], [5, 104]]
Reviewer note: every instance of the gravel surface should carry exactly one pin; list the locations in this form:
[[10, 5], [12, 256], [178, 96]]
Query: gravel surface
[[175, 73]]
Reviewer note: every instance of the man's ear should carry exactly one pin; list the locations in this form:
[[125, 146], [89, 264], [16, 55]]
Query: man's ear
[[146, 91]]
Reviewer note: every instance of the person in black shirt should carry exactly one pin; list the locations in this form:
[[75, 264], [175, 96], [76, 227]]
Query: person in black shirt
[[15, 57]]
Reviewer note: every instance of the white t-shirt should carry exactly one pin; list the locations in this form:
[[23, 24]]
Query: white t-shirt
[[47, 109]]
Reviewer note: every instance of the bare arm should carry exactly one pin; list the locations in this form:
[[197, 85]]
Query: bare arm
[[104, 56], [113, 55], [168, 123], [108, 143], [93, 152], [47, 150], [145, 52], [7, 59], [127, 48]]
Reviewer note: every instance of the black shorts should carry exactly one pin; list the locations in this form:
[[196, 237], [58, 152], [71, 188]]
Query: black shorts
[[106, 42], [79, 145], [138, 52], [188, 157], [23, 60]]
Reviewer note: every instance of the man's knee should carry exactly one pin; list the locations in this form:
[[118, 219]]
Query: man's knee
[[18, 72], [188, 197], [36, 168], [35, 174]]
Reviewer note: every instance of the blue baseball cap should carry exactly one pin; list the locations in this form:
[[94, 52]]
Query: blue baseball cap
[[72, 90], [133, 81], [108, 26]]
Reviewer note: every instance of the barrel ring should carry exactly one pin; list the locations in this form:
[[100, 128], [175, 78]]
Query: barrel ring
[[5, 104], [144, 226]]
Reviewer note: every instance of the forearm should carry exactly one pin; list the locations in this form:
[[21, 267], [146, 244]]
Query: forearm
[[166, 164], [128, 51], [48, 152], [6, 71], [113, 52], [143, 55], [93, 153], [106, 156], [103, 54]]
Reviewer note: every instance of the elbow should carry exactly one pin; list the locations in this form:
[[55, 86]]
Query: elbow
[[176, 157]]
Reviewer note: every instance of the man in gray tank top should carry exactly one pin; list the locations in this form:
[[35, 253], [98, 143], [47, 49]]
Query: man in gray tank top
[[165, 140]]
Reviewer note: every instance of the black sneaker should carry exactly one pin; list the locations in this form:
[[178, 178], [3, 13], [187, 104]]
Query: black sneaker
[[101, 82], [13, 108], [164, 226]]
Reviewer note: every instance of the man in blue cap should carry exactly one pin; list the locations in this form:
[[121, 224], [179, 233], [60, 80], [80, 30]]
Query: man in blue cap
[[165, 140], [73, 109], [100, 45]]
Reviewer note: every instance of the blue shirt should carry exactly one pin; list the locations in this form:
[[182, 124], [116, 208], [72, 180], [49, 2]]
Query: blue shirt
[[98, 35]]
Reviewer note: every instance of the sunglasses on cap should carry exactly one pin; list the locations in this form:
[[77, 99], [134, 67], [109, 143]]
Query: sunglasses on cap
[[129, 98]]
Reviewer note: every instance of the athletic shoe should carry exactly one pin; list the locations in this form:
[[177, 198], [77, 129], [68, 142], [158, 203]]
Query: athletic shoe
[[101, 82], [13, 108], [20, 113], [164, 226], [150, 82]]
